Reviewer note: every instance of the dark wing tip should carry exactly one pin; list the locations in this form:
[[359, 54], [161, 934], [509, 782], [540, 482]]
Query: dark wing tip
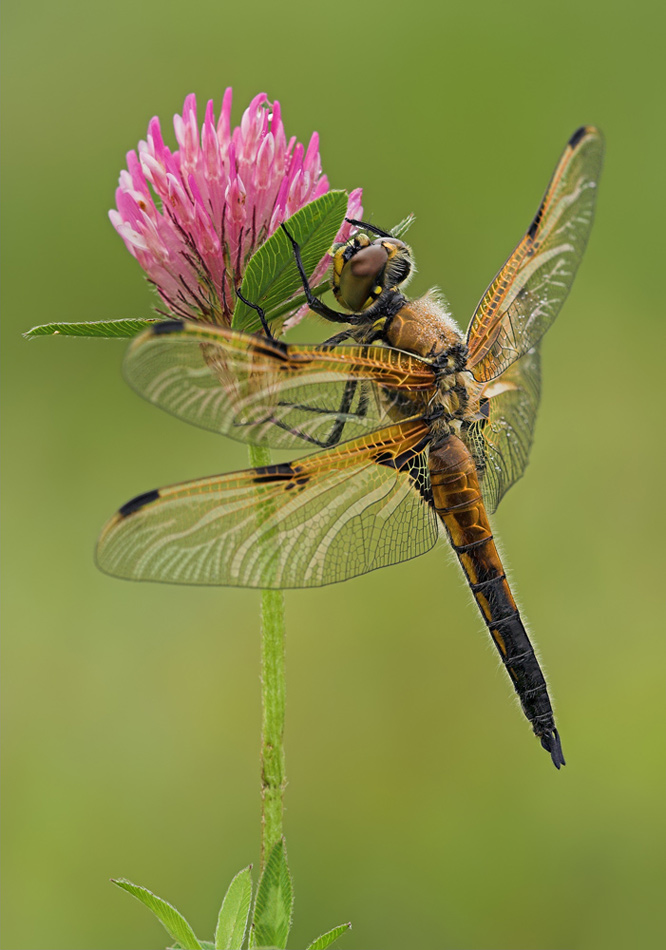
[[580, 134], [134, 504], [167, 326], [551, 743]]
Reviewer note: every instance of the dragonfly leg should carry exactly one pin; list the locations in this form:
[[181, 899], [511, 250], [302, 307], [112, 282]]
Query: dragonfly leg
[[345, 406], [260, 311], [335, 434], [337, 339], [314, 303]]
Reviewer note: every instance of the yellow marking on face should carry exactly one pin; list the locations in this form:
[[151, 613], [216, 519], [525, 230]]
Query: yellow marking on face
[[338, 264]]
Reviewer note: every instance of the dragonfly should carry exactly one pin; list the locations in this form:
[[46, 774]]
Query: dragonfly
[[417, 430]]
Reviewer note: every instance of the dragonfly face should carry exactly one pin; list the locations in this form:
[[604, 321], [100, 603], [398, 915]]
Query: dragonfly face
[[366, 271], [420, 429]]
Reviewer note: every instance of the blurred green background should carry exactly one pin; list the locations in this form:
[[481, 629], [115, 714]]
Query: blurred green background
[[419, 806]]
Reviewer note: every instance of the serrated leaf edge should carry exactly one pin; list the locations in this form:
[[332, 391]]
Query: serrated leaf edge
[[79, 329], [187, 938], [245, 872], [275, 865], [332, 935]]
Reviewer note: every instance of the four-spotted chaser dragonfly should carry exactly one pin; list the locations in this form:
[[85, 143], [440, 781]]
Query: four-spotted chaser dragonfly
[[421, 430]]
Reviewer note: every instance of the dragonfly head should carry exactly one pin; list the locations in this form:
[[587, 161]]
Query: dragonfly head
[[365, 269]]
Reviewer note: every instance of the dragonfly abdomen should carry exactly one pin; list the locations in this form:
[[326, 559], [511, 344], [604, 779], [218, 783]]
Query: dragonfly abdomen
[[458, 501]]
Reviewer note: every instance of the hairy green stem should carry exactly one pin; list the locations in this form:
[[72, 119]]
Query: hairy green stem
[[273, 690]]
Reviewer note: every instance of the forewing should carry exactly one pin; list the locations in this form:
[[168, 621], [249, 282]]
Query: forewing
[[526, 296], [501, 440], [267, 393], [323, 519]]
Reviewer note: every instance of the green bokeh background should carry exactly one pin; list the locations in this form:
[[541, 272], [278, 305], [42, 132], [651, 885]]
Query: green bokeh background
[[419, 805]]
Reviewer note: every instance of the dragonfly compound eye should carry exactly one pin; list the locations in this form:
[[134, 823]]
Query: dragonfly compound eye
[[369, 270], [360, 276]]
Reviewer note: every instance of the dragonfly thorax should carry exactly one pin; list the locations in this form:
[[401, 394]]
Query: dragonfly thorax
[[453, 406], [424, 327]]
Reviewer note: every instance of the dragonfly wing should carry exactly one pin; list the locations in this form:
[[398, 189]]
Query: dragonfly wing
[[322, 519], [526, 295], [500, 441], [265, 392]]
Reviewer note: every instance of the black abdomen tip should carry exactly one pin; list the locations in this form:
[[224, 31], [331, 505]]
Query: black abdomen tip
[[551, 743], [139, 502]]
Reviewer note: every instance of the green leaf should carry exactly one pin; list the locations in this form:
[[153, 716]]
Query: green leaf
[[234, 912], [271, 277], [101, 328], [275, 901], [327, 939], [173, 921]]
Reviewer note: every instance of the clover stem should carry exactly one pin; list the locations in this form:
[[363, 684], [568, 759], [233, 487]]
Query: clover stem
[[273, 690]]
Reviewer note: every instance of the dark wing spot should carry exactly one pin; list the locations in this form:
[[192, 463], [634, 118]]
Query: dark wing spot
[[409, 462], [284, 472], [139, 502], [299, 483], [577, 136], [265, 474], [274, 348], [168, 326], [385, 458], [404, 461], [534, 226]]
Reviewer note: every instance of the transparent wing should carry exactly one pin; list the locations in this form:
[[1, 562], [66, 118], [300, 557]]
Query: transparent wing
[[526, 296], [265, 392], [501, 439], [322, 519]]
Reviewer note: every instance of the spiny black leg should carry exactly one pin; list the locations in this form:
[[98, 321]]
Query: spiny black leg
[[345, 405], [336, 432], [337, 339], [262, 315], [286, 428], [314, 303], [368, 227]]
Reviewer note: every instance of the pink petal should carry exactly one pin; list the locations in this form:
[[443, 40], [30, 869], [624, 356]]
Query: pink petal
[[221, 193], [224, 124]]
